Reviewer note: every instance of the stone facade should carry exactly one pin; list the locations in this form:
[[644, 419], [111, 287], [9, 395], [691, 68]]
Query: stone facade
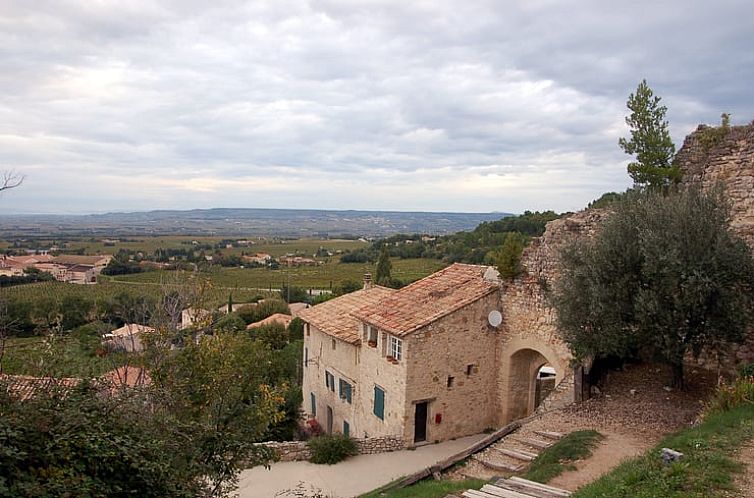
[[293, 451]]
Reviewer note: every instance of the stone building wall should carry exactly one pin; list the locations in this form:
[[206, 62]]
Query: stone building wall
[[461, 346], [343, 362], [376, 370]]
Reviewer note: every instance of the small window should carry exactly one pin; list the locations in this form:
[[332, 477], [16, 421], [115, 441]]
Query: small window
[[306, 357], [333, 343], [379, 403], [372, 339], [396, 348], [346, 429], [308, 332], [313, 400], [451, 380], [345, 389], [469, 369], [329, 381]]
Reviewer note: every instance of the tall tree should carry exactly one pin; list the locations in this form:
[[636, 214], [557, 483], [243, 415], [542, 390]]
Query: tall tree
[[384, 266], [664, 277], [650, 141]]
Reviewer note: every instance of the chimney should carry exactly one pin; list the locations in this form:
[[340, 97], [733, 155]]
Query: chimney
[[367, 281]]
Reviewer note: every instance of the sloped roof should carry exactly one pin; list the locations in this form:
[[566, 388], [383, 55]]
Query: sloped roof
[[334, 317], [130, 329], [428, 299], [76, 259], [24, 387], [281, 318]]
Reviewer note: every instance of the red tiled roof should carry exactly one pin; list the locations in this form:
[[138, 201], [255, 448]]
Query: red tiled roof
[[334, 317], [428, 299], [23, 387]]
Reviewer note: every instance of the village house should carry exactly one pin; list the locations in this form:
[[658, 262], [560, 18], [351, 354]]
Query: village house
[[276, 318], [260, 258], [421, 362], [128, 338]]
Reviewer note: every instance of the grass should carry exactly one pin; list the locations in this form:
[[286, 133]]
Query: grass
[[706, 470], [428, 488], [557, 458]]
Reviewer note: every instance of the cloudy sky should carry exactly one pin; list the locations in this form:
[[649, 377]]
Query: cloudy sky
[[417, 105]]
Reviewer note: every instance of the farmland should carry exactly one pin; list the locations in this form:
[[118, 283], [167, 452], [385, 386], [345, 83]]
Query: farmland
[[324, 276]]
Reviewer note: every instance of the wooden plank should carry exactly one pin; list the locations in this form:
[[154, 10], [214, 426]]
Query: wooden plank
[[563, 492], [472, 493], [503, 493], [550, 434], [527, 490], [518, 455], [534, 443]]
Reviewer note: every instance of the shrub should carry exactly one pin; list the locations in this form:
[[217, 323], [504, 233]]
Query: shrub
[[746, 370], [727, 397], [331, 448]]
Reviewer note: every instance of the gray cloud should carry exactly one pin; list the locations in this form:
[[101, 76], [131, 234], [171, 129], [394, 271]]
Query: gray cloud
[[432, 105]]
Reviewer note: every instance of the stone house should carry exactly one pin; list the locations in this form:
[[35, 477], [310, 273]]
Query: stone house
[[423, 362]]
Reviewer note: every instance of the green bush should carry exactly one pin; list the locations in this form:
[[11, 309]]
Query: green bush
[[746, 370], [331, 448]]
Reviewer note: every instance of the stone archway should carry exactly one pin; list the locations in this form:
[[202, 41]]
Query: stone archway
[[521, 363], [522, 387]]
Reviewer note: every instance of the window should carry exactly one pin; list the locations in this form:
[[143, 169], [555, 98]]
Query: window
[[450, 381], [314, 404], [469, 369], [333, 343], [329, 381], [345, 390], [396, 347], [308, 332], [372, 337], [346, 429], [379, 403], [306, 357]]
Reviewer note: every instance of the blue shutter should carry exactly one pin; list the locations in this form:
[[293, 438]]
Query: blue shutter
[[314, 404], [346, 429], [379, 402]]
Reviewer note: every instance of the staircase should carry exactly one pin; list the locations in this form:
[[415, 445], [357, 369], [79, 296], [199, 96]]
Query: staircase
[[511, 454]]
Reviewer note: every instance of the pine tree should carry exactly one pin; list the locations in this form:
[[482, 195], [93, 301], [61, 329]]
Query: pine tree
[[382, 274], [650, 141]]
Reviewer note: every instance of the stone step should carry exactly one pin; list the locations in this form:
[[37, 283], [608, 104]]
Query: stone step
[[526, 489], [499, 466], [550, 434], [534, 443], [518, 455]]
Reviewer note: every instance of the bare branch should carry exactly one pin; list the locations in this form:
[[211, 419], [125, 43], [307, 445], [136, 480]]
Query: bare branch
[[10, 179]]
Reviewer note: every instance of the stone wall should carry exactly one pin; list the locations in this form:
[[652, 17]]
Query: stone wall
[[730, 162], [292, 451]]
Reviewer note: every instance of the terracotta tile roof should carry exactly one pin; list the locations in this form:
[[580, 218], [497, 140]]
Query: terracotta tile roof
[[24, 387], [428, 299], [126, 376], [280, 318], [334, 317], [130, 329]]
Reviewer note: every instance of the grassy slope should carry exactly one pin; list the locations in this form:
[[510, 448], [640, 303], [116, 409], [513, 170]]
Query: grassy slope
[[554, 460], [706, 470]]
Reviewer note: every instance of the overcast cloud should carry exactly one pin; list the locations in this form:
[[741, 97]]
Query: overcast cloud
[[361, 104]]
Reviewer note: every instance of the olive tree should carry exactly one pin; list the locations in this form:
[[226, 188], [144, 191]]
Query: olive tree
[[664, 277]]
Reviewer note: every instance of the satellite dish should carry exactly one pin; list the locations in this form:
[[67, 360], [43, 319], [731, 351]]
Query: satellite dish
[[495, 318]]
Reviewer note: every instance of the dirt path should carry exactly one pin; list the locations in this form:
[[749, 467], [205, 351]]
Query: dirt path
[[609, 454], [745, 480]]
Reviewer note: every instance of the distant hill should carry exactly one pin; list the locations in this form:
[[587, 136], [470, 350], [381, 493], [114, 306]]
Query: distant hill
[[279, 222]]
